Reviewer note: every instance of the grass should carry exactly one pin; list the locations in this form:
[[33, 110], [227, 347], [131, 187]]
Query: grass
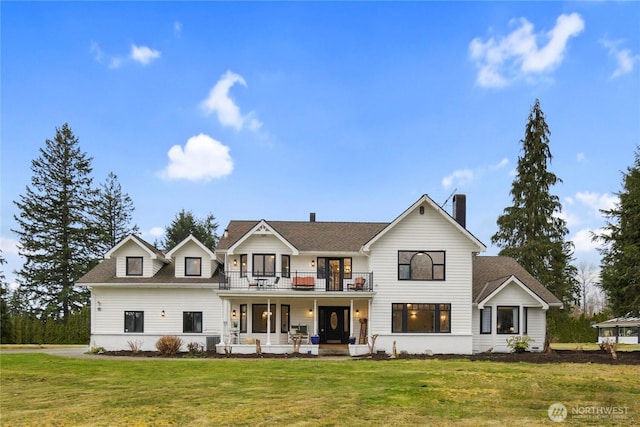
[[591, 346], [40, 389]]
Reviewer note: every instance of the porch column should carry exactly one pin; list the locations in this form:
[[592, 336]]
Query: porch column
[[351, 313], [315, 316], [368, 319], [268, 321]]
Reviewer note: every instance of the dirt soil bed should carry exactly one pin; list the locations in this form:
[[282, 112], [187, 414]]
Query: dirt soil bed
[[556, 356]]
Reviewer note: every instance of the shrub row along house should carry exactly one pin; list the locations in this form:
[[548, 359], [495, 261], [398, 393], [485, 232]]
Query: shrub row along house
[[417, 282]]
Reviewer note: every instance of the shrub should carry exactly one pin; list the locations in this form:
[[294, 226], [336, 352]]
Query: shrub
[[519, 344], [97, 350], [135, 346], [168, 345], [195, 348]]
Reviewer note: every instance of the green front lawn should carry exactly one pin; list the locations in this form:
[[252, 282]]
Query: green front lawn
[[39, 389]]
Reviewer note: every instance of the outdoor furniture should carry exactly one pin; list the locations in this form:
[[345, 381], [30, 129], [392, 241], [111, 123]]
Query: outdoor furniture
[[303, 283], [274, 283], [358, 284]]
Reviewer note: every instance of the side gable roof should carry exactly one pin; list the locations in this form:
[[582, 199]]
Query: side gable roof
[[304, 236], [492, 273], [188, 239], [153, 252], [426, 199]]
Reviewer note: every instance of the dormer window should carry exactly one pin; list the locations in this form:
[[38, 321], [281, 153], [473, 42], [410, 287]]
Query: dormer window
[[192, 266], [134, 266]]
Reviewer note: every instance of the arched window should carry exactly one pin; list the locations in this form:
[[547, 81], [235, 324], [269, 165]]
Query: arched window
[[421, 265]]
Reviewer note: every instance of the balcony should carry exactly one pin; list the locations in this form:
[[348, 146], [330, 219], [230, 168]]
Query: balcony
[[298, 281]]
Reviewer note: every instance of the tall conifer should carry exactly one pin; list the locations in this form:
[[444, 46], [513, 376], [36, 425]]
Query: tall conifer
[[56, 234], [114, 213], [531, 230]]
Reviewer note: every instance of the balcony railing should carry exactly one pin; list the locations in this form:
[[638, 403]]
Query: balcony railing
[[298, 281]]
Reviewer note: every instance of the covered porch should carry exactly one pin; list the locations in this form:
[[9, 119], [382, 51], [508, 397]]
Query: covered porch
[[287, 322]]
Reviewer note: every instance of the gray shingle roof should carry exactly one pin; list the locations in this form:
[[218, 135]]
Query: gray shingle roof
[[490, 272], [311, 236], [105, 272]]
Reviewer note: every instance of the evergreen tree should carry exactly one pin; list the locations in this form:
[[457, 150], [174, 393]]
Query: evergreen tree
[[57, 236], [184, 224], [114, 213], [621, 251], [6, 328], [531, 231]]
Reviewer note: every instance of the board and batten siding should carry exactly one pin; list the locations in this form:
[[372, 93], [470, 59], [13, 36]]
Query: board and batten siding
[[428, 231], [108, 305], [511, 295]]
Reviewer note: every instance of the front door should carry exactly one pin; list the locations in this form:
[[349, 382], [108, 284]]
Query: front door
[[334, 325], [334, 278]]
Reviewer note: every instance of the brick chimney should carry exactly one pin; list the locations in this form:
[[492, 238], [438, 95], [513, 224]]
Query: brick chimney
[[460, 209]]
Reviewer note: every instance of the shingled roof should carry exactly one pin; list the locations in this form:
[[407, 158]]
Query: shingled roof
[[310, 235], [490, 272]]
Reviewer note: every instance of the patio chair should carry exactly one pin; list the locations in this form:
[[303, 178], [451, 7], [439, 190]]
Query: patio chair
[[358, 285], [274, 283]]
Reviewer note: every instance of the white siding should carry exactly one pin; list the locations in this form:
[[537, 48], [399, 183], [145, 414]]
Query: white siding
[[131, 249], [429, 231], [191, 249], [110, 303], [511, 295]]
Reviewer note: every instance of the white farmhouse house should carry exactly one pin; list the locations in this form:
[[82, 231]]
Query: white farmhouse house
[[417, 282]]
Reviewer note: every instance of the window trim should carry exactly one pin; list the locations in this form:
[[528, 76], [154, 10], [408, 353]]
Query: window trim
[[485, 324], [405, 313], [258, 322], [135, 324], [285, 324], [244, 268], [186, 263], [264, 273], [286, 272], [194, 322], [433, 265], [243, 318], [133, 258], [515, 313]]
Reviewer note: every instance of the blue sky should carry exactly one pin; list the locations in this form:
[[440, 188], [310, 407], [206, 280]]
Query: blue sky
[[350, 110]]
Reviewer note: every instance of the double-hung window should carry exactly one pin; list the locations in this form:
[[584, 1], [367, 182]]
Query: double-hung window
[[192, 322], [421, 265], [193, 266], [485, 320], [134, 321], [285, 261], [421, 318]]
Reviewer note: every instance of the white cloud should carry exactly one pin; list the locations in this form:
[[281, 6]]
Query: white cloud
[[597, 202], [502, 60], [624, 58], [155, 232], [228, 112], [177, 28], [143, 54], [459, 177], [202, 159], [97, 52], [501, 164], [8, 246], [580, 157], [583, 242]]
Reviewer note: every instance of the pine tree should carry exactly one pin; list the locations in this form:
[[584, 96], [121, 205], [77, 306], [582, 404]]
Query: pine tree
[[114, 213], [6, 327], [185, 223], [621, 251], [531, 230], [57, 236]]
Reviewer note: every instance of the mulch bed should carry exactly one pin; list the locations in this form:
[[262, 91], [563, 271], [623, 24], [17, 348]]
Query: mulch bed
[[556, 356]]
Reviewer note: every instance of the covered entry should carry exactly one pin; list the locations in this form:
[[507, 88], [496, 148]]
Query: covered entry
[[333, 325]]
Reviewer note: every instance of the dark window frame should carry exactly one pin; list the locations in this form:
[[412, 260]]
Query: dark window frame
[[243, 318], [405, 269], [134, 258], [322, 267], [404, 310], [285, 267], [515, 320], [263, 273], [257, 321], [186, 264], [243, 265], [190, 325], [285, 320], [484, 325], [136, 319]]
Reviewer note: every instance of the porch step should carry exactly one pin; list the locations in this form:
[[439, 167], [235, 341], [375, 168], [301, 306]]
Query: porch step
[[333, 350]]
